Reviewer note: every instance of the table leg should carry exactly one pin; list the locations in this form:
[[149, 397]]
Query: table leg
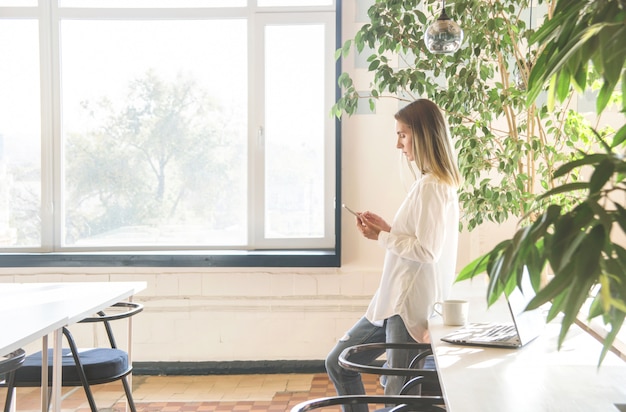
[[57, 368], [129, 348], [44, 373]]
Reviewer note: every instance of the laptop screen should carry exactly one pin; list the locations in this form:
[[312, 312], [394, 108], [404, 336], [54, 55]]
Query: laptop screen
[[529, 324]]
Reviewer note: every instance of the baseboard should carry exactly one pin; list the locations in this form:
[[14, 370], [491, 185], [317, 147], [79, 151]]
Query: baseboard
[[228, 368]]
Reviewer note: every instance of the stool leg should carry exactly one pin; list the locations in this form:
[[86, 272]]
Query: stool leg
[[129, 394], [8, 403]]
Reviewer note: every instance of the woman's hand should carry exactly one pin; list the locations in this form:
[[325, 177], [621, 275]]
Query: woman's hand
[[370, 225]]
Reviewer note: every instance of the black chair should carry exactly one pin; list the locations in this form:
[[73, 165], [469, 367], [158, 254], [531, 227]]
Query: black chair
[[402, 403], [86, 367], [421, 374], [8, 366]]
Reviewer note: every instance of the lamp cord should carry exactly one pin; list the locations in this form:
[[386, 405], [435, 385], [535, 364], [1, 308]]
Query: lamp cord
[[530, 27]]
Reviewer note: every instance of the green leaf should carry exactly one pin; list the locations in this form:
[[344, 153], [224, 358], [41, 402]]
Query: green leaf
[[622, 216], [568, 187], [601, 175], [347, 45], [556, 58], [557, 285], [604, 96], [586, 160], [476, 267], [620, 136], [556, 307], [571, 308], [580, 77], [540, 227], [617, 322], [623, 91], [587, 262], [564, 246], [562, 87], [614, 53]]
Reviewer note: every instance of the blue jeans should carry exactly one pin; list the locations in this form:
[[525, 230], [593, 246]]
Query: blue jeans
[[349, 382]]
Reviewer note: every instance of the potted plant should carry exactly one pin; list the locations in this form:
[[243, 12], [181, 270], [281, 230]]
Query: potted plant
[[582, 245], [508, 150]]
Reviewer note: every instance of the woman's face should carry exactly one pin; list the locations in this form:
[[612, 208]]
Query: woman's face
[[405, 140]]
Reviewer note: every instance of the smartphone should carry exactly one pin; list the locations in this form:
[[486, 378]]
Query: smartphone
[[350, 210]]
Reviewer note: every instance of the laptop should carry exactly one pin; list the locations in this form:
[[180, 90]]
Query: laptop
[[526, 325]]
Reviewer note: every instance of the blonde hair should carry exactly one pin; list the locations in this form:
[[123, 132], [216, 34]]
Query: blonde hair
[[432, 146]]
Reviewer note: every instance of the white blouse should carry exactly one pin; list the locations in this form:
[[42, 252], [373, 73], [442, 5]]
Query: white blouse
[[420, 261]]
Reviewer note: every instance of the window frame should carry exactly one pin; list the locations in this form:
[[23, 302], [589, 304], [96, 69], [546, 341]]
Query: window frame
[[264, 20], [46, 256]]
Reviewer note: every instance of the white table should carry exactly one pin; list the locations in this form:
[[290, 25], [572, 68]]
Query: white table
[[536, 378], [30, 311]]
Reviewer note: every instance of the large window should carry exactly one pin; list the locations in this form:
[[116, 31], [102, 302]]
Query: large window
[[169, 132]]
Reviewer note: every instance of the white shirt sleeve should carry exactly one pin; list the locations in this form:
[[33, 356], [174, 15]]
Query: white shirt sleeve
[[425, 211]]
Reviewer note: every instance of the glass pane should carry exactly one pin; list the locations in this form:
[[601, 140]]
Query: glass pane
[[294, 131], [151, 3], [20, 134], [18, 3], [154, 128], [294, 3]]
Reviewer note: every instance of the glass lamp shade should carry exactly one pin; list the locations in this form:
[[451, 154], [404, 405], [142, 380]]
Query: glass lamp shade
[[443, 36], [521, 80]]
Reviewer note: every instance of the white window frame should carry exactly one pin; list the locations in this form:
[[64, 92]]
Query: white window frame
[[258, 125], [260, 251]]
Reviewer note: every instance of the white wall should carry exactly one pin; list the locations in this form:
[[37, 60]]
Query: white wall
[[209, 314]]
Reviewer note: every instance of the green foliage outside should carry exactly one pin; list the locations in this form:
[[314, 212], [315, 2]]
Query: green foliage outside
[[169, 156]]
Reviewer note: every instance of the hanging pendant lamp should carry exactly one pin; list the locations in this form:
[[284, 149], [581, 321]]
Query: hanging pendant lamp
[[444, 36]]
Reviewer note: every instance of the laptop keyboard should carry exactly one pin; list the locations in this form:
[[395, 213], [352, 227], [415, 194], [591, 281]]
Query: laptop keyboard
[[498, 333], [485, 332]]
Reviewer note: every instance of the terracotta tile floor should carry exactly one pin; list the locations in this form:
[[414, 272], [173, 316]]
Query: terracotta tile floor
[[237, 393]]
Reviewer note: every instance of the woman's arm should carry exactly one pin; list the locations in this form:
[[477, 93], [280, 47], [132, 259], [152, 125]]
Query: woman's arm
[[429, 210]]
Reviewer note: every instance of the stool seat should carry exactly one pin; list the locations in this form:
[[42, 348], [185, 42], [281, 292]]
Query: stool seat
[[100, 365]]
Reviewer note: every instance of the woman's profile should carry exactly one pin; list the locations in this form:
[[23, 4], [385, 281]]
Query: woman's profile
[[420, 250]]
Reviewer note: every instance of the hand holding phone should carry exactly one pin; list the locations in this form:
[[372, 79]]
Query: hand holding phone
[[350, 210]]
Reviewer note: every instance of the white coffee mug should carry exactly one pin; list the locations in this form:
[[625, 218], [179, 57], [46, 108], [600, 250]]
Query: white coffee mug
[[454, 312]]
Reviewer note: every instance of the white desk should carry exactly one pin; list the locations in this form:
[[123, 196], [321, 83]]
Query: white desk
[[29, 311], [537, 378]]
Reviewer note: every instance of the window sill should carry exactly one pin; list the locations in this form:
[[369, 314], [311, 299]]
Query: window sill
[[226, 258]]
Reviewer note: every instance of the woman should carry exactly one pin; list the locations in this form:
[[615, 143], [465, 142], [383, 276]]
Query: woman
[[421, 247]]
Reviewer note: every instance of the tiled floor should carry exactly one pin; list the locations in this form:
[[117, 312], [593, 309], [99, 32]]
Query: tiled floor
[[240, 393]]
